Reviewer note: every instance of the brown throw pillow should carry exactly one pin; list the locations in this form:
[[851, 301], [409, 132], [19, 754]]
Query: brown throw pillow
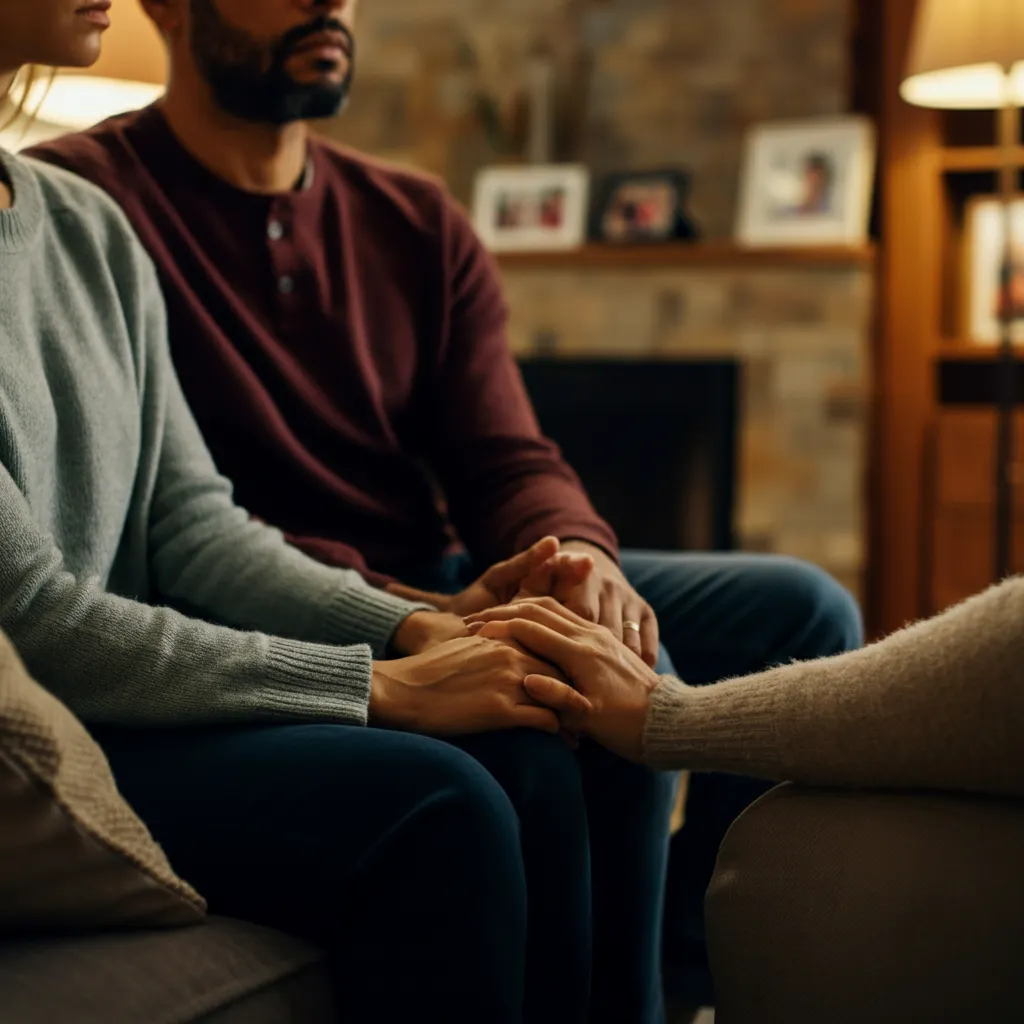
[[73, 854]]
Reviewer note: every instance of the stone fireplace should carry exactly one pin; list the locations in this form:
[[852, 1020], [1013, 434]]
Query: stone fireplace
[[654, 442], [797, 326]]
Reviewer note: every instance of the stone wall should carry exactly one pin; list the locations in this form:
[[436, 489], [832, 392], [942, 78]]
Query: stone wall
[[641, 83], [803, 339]]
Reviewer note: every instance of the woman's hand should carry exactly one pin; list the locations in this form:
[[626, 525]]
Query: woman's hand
[[616, 682], [468, 686]]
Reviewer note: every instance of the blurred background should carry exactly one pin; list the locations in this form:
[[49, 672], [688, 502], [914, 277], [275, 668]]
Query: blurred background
[[770, 285]]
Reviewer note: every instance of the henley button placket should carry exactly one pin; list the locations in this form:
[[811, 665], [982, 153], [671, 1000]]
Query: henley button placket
[[282, 255]]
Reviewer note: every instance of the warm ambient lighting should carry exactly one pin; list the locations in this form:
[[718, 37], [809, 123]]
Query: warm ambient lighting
[[74, 102], [967, 55]]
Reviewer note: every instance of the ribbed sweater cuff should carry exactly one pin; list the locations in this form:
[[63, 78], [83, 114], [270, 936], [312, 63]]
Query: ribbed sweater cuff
[[368, 616], [318, 681], [725, 727]]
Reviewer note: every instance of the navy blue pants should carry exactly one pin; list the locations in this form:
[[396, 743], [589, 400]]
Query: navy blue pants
[[499, 878], [721, 615]]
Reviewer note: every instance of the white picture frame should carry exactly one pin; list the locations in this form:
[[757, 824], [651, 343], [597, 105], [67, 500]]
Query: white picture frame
[[807, 182], [535, 208], [984, 253]]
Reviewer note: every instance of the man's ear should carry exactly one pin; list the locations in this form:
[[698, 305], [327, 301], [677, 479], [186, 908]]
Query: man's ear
[[169, 16]]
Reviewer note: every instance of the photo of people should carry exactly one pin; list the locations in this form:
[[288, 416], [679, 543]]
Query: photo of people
[[641, 211], [518, 209], [531, 209], [808, 182], [1010, 300], [995, 285], [804, 186]]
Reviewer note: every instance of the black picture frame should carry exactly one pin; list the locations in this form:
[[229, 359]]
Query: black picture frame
[[671, 224]]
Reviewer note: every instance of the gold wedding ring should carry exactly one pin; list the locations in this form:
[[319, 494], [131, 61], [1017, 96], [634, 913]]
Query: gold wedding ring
[[629, 624]]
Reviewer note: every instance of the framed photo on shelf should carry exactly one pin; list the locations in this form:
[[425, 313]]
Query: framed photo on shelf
[[808, 182], [642, 207], [518, 209], [988, 291]]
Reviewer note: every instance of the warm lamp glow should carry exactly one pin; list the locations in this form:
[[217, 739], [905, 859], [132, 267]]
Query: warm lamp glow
[[975, 87], [967, 55], [75, 102]]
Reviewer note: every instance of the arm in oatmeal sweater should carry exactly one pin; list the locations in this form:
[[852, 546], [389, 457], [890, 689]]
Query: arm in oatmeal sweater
[[939, 705]]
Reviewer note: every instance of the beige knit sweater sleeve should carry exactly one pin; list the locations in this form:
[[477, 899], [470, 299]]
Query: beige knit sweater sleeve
[[939, 705]]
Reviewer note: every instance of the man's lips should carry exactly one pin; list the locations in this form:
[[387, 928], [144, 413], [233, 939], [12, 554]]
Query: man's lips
[[325, 45]]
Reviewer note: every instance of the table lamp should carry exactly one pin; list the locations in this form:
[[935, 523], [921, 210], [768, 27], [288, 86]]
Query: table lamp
[[131, 73], [969, 55]]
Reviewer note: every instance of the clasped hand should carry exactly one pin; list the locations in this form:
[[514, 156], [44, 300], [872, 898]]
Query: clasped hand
[[614, 685], [576, 574]]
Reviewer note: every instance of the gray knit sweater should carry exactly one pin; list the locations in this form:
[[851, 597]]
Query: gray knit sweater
[[111, 509]]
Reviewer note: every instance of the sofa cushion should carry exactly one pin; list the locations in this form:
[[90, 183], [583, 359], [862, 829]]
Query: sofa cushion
[[220, 972], [73, 854]]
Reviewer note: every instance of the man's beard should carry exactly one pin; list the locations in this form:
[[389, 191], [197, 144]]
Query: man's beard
[[250, 79]]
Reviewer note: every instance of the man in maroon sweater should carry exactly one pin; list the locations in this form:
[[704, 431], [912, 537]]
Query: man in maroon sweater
[[340, 334]]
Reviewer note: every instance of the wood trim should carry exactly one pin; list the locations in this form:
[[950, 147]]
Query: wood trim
[[705, 254], [977, 158], [911, 273]]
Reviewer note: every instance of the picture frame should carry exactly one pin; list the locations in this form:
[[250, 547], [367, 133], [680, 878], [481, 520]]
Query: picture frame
[[643, 207], [985, 293], [519, 209], [808, 182]]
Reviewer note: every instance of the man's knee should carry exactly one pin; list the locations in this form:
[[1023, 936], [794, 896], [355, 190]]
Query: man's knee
[[458, 789], [537, 771], [818, 606]]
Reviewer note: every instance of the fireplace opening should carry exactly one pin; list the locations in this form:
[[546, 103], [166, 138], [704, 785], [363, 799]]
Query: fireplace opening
[[654, 443]]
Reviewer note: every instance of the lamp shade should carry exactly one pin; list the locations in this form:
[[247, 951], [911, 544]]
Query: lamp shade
[[131, 73], [966, 55]]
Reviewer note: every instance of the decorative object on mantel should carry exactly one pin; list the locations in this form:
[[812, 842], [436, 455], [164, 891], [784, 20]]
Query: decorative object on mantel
[[540, 108], [808, 183], [643, 207], [518, 209], [994, 285]]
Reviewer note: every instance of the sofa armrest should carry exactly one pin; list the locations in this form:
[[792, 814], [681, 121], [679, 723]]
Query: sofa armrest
[[834, 907]]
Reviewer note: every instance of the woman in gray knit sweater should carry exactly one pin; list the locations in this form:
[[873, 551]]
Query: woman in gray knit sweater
[[230, 679]]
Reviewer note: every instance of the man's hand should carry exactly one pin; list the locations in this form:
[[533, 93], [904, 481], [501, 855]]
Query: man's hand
[[605, 597], [544, 564], [467, 686]]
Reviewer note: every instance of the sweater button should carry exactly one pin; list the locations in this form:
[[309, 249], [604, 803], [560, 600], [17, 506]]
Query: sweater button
[[286, 285], [275, 231]]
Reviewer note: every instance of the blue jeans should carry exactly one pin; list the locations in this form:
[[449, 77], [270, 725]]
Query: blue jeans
[[439, 875], [721, 615]]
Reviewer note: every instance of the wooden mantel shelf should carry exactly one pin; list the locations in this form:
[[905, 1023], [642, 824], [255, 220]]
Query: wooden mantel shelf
[[704, 254]]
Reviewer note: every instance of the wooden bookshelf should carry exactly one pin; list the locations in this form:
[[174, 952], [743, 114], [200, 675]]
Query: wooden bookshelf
[[703, 254], [936, 388]]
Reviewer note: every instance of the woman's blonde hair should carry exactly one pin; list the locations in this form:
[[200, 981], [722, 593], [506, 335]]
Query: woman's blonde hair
[[14, 104]]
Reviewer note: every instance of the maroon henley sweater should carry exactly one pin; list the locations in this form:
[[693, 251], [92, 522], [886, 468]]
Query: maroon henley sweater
[[343, 347]]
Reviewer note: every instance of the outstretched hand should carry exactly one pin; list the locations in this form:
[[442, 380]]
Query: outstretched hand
[[616, 683]]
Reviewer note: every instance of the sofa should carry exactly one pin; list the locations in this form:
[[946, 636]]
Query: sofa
[[218, 972], [842, 907], [95, 925]]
